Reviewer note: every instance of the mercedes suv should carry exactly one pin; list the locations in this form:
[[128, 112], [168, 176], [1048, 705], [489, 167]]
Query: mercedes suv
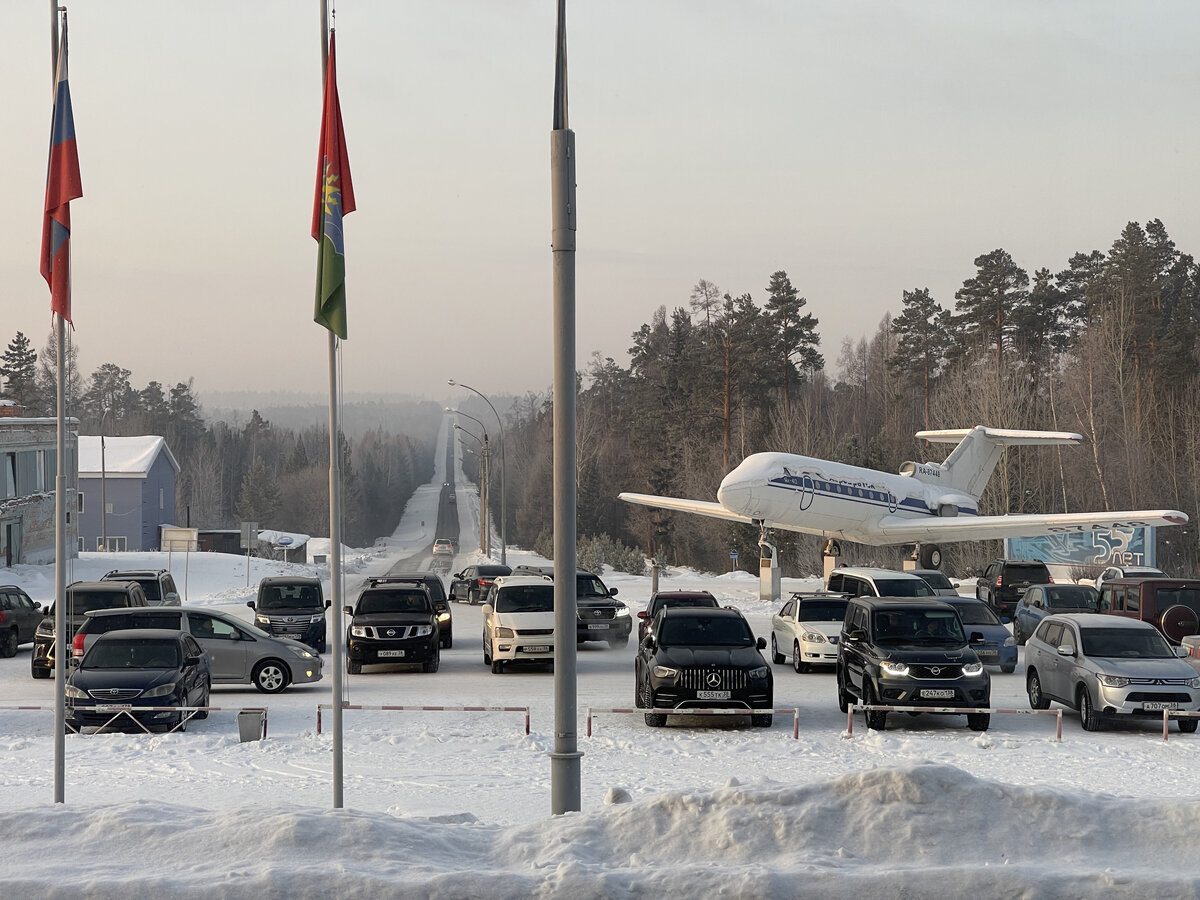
[[909, 652]]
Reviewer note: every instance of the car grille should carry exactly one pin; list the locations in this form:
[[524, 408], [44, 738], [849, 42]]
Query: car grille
[[941, 672], [534, 632], [603, 612], [110, 694], [397, 632], [300, 622], [1155, 696], [726, 679]]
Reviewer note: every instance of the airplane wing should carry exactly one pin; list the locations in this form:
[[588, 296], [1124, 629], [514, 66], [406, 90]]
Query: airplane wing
[[948, 529], [700, 507]]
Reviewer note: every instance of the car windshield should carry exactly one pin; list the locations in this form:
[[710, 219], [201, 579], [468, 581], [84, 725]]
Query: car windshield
[[976, 614], [1124, 643], [289, 596], [133, 653], [1035, 573], [937, 580], [384, 601], [526, 598], [79, 602], [492, 571], [921, 625], [903, 587], [706, 631], [822, 611], [1071, 596], [589, 586]]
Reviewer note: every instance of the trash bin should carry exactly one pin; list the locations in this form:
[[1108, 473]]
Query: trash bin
[[250, 724]]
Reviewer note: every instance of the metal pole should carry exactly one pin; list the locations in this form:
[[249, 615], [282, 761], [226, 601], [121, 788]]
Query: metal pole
[[565, 758], [487, 497], [503, 466], [60, 510], [335, 524], [482, 493], [103, 486]]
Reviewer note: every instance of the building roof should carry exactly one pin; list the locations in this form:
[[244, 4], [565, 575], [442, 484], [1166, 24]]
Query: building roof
[[124, 457]]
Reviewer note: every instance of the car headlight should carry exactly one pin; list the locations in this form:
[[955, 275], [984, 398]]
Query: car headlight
[[665, 672], [424, 630], [1010, 641], [302, 652], [317, 618], [442, 617], [896, 669], [1195, 682], [622, 611], [73, 691], [1112, 680], [503, 631], [46, 629], [358, 630], [163, 690], [972, 669], [263, 620], [758, 673], [813, 637]]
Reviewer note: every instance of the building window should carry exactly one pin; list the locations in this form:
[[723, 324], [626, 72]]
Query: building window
[[115, 544], [81, 547], [161, 498], [80, 495]]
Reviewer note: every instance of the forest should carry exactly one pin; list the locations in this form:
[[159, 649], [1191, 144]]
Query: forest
[[1106, 346]]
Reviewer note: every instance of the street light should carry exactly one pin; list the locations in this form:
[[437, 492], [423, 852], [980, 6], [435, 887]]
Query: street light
[[484, 522], [503, 466], [103, 485]]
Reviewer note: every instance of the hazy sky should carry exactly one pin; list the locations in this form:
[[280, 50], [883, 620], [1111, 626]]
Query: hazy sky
[[866, 148]]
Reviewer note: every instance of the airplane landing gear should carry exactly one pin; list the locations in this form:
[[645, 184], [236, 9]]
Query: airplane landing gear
[[927, 556]]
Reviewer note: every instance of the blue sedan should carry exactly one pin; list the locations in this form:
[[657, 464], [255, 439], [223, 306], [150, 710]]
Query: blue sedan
[[999, 647]]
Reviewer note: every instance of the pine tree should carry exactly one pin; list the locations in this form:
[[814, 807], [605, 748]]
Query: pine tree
[[258, 498], [19, 371], [984, 311], [922, 332], [796, 334]]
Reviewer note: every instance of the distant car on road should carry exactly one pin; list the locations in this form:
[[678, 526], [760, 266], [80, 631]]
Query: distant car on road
[[443, 547], [1041, 600]]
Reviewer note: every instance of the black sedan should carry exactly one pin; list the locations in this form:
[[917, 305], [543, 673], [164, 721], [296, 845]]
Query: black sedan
[[128, 675]]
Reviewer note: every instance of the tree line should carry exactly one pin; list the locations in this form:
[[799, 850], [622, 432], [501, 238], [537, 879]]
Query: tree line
[[1107, 346], [233, 472]]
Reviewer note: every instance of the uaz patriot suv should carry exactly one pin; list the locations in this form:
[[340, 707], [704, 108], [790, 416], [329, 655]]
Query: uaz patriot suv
[[392, 623], [909, 652]]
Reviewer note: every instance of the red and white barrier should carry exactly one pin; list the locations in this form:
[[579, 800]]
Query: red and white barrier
[[794, 713], [129, 711], [520, 709], [1179, 714], [959, 710]]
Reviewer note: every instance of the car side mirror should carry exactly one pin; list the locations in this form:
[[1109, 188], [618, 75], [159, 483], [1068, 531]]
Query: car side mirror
[[612, 592], [1183, 652], [191, 661], [648, 642], [1066, 650], [761, 643], [977, 637], [1005, 620], [643, 614], [348, 610], [328, 603], [855, 635], [250, 603], [486, 609]]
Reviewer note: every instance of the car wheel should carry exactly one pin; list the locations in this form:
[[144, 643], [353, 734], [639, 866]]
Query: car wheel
[[876, 718], [1033, 687], [776, 657], [497, 667], [1018, 634], [798, 662], [353, 667], [1009, 668], [472, 597], [204, 701], [320, 648], [8, 643], [979, 721], [1089, 718], [487, 650], [39, 671], [270, 676], [618, 643], [760, 720], [1188, 726], [639, 701], [448, 640], [433, 665], [182, 724], [844, 698]]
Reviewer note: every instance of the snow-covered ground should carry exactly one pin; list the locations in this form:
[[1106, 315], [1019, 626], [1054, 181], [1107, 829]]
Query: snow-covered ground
[[458, 804]]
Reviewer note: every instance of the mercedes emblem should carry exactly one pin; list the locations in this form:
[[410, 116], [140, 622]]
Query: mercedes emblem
[[713, 679]]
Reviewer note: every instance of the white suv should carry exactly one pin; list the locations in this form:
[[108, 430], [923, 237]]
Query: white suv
[[518, 621], [807, 629]]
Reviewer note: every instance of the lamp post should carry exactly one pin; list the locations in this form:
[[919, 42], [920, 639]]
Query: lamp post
[[485, 484], [484, 527], [103, 486], [503, 505]]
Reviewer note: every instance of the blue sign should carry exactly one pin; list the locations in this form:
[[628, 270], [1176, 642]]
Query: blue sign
[[733, 554], [1109, 547]]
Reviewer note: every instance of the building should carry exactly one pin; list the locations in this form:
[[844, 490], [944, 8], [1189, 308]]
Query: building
[[29, 464], [135, 480]]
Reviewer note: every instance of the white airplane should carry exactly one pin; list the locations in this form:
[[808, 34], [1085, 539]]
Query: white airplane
[[926, 502]]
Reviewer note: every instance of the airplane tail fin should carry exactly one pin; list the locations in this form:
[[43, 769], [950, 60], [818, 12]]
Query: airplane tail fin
[[971, 463]]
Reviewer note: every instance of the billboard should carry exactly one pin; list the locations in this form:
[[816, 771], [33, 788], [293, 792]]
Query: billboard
[[1106, 547]]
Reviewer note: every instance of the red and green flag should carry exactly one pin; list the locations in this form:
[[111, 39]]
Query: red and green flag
[[62, 186], [334, 199]]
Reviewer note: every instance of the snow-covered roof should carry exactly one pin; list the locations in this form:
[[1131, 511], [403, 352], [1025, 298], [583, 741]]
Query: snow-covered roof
[[124, 457]]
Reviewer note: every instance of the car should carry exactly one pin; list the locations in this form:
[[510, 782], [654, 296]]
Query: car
[[292, 606], [19, 618], [127, 671], [518, 622], [1106, 667], [910, 652], [473, 582], [157, 584], [942, 586], [662, 599], [392, 623], [1172, 605], [1041, 600], [598, 617], [1005, 580], [238, 652], [450, 498], [807, 629], [1111, 572], [437, 596], [80, 597], [443, 547], [1191, 643], [865, 581], [999, 647], [700, 658]]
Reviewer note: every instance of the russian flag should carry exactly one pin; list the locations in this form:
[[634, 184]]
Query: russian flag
[[62, 186]]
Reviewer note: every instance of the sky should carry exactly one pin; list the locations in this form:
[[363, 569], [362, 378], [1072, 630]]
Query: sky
[[865, 149]]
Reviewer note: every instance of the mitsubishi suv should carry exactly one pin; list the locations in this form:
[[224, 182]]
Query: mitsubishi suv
[[910, 652]]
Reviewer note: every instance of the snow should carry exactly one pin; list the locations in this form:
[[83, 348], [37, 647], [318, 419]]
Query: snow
[[453, 804], [123, 456]]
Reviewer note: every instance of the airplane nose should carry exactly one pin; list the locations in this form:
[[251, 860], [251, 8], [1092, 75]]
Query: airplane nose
[[737, 493]]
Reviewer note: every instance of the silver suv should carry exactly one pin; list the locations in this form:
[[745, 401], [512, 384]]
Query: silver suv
[[157, 584]]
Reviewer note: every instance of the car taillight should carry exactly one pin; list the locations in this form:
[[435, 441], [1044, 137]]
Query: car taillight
[[1049, 579], [2, 615], [77, 646], [999, 580], [484, 582]]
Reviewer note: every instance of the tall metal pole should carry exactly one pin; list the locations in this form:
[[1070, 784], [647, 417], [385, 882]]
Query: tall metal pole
[[335, 511], [103, 486], [565, 758], [486, 479], [482, 492], [503, 466], [60, 512]]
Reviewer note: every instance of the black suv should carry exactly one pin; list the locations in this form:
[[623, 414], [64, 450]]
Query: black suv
[[702, 659], [292, 606], [437, 595], [598, 617], [1005, 580], [19, 617], [392, 623], [157, 584], [82, 596], [909, 652]]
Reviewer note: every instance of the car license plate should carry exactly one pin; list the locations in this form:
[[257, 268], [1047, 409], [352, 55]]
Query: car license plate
[[986, 654], [391, 654], [540, 648], [712, 695], [112, 707], [1159, 704], [597, 627], [937, 694]]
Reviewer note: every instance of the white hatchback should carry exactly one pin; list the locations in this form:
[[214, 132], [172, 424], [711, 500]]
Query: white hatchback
[[518, 621], [807, 629]]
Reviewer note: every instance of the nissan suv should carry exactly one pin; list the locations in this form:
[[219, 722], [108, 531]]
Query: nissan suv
[[909, 652], [392, 623], [1005, 580], [437, 596], [81, 597]]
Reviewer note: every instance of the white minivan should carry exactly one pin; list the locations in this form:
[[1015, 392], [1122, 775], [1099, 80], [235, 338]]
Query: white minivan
[[518, 621]]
